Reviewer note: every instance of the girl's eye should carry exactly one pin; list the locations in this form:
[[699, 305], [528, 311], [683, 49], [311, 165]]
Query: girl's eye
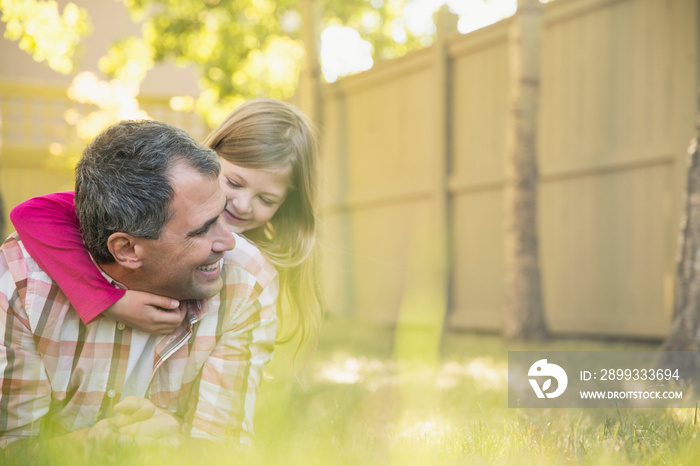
[[266, 202], [233, 184]]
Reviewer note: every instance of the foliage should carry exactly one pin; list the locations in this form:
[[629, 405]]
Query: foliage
[[43, 32], [379, 22], [244, 48]]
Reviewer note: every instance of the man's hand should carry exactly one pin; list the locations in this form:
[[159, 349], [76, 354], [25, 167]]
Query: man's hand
[[147, 312], [138, 423]]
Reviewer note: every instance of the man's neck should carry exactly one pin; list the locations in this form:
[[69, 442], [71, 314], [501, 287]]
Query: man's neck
[[117, 274]]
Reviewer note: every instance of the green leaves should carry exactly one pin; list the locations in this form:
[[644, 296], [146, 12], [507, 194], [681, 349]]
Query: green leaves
[[249, 48], [238, 46], [43, 32]]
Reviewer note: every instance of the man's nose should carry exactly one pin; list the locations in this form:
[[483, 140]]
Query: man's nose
[[224, 240]]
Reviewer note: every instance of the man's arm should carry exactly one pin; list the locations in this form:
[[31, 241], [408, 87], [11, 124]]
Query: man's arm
[[138, 423], [25, 392]]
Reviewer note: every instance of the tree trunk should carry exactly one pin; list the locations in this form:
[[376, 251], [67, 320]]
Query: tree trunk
[[524, 313], [309, 89], [686, 305]]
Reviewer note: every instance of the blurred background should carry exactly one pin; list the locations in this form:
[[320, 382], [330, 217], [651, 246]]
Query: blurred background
[[415, 103]]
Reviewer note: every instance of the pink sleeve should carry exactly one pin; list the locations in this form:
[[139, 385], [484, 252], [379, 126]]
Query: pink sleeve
[[48, 227]]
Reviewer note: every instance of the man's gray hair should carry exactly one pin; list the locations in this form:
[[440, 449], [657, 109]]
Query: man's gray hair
[[122, 183]]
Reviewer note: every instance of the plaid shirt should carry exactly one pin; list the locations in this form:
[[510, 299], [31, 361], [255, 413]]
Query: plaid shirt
[[55, 369]]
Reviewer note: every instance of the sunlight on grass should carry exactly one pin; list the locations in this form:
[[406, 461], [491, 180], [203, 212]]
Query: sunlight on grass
[[349, 369], [483, 371], [424, 430], [361, 406]]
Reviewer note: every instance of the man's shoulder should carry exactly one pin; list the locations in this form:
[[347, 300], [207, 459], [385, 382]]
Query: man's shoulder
[[12, 248], [21, 276], [248, 258], [15, 259]]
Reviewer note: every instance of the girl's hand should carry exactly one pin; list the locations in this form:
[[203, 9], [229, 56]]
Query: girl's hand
[[147, 312]]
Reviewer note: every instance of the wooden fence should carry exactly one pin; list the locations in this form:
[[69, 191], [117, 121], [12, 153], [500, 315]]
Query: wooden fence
[[618, 105]]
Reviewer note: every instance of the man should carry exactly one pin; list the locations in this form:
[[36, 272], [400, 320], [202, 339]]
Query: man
[[149, 205]]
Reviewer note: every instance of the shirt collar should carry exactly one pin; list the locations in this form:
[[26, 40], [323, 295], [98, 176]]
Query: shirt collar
[[109, 279]]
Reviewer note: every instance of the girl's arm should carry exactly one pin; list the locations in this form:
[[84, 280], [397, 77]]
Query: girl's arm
[[48, 227]]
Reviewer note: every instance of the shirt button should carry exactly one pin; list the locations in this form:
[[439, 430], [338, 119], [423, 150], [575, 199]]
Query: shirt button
[[111, 393], [120, 326]]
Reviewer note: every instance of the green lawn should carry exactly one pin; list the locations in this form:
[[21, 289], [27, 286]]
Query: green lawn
[[361, 406]]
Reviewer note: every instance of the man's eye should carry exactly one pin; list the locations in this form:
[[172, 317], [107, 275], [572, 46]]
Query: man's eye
[[200, 232]]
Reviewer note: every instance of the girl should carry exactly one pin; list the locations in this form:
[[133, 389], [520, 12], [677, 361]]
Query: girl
[[268, 155]]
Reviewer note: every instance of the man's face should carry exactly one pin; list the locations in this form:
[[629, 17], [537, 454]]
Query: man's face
[[184, 263]]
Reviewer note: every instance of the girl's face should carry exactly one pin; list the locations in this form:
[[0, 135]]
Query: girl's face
[[252, 195]]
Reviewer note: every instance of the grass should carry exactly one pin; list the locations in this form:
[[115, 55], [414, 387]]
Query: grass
[[362, 406]]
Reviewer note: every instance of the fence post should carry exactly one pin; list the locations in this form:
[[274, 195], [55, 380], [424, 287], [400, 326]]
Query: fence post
[[425, 300]]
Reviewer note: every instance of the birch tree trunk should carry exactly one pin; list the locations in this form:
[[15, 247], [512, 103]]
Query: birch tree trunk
[[524, 313], [686, 304]]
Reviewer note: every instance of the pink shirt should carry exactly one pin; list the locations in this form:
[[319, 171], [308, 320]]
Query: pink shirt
[[49, 229]]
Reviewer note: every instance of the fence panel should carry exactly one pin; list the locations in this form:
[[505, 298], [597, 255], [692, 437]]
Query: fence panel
[[385, 167]]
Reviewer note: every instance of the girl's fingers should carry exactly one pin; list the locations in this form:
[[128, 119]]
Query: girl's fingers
[[170, 318], [162, 302], [149, 299]]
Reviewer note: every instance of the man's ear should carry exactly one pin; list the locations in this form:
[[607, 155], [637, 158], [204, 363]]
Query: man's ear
[[125, 250]]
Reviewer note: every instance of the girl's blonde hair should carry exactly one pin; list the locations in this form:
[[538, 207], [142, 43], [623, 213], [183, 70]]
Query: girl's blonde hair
[[272, 135]]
